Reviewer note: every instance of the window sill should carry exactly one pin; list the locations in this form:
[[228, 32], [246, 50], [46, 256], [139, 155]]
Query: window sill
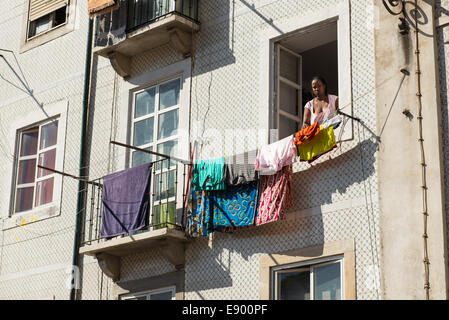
[[31, 216]]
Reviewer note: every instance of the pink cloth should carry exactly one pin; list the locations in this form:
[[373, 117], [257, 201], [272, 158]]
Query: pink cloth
[[275, 197], [322, 116], [273, 157]]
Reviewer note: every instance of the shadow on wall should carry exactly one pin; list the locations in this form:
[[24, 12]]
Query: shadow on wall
[[217, 258]]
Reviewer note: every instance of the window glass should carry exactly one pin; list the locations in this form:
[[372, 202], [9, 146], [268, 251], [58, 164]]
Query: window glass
[[168, 124], [60, 16], [140, 157], [46, 159], [294, 285], [164, 185], [161, 296], [42, 24], [287, 127], [24, 199], [169, 94], [143, 131], [44, 192], [26, 171], [327, 282], [145, 103], [29, 142], [169, 148], [289, 66], [49, 135]]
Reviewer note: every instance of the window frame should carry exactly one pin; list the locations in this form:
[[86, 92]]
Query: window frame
[[135, 83], [310, 266], [28, 120], [28, 43], [158, 171], [147, 294], [268, 36], [36, 156], [52, 17]]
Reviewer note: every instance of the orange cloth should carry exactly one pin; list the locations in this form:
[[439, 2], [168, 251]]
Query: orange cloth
[[307, 134], [98, 7]]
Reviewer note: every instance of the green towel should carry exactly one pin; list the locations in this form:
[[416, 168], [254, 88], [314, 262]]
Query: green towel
[[208, 175]]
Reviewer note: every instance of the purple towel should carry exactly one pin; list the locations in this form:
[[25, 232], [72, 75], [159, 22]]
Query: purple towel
[[125, 201]]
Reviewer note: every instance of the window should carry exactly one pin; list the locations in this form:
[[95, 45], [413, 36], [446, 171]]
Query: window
[[159, 294], [36, 146], [298, 58], [45, 15], [155, 124], [318, 281]]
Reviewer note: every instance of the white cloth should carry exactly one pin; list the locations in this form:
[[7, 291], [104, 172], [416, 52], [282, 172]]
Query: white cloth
[[273, 157], [327, 113], [335, 122]]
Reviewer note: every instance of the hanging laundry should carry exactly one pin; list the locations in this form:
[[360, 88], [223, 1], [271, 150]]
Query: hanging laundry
[[125, 201], [235, 207], [323, 143], [334, 122], [208, 175], [273, 157], [307, 134], [240, 169], [199, 214], [274, 196]]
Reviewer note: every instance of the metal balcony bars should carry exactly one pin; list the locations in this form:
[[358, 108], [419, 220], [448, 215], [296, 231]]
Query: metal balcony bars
[[142, 12]]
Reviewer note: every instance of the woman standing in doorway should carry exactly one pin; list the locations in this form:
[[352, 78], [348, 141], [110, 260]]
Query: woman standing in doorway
[[322, 107]]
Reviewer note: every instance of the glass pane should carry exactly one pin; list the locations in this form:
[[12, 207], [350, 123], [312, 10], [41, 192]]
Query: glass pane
[[169, 94], [26, 171], [294, 285], [327, 282], [43, 24], [289, 66], [145, 103], [288, 99], [24, 199], [161, 296], [44, 192], [46, 159], [143, 131], [140, 157], [169, 148], [164, 185], [163, 214], [29, 143], [168, 124], [49, 135], [287, 127]]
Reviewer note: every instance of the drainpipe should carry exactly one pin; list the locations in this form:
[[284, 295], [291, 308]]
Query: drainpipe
[[83, 163]]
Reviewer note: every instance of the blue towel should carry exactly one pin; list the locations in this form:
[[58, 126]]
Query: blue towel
[[125, 201]]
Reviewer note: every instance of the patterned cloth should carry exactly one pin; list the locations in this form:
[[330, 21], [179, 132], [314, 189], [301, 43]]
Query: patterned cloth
[[235, 207], [275, 196], [199, 214]]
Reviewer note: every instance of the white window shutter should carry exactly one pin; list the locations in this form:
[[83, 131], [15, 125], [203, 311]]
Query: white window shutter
[[40, 8]]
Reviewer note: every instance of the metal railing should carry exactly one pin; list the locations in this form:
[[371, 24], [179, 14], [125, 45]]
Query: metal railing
[[166, 201], [141, 12]]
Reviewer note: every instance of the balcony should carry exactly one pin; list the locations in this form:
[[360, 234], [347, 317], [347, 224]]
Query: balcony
[[164, 227], [140, 25]]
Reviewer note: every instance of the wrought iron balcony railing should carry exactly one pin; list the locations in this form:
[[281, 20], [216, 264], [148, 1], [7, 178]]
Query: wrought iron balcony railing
[[166, 202]]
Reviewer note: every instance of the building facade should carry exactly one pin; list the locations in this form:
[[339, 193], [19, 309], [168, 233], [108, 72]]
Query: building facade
[[220, 78]]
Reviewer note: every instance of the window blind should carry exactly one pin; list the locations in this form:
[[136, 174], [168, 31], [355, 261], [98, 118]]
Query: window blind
[[99, 7], [40, 8]]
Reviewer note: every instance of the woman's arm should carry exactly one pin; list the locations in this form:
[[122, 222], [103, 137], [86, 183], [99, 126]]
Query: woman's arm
[[306, 120], [336, 104]]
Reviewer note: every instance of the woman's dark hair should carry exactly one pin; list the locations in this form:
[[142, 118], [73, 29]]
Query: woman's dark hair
[[322, 80]]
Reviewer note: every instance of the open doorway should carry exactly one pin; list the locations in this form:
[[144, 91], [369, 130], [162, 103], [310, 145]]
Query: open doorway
[[298, 58]]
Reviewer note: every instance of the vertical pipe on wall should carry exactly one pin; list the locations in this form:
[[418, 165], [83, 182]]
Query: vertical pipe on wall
[[81, 199]]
